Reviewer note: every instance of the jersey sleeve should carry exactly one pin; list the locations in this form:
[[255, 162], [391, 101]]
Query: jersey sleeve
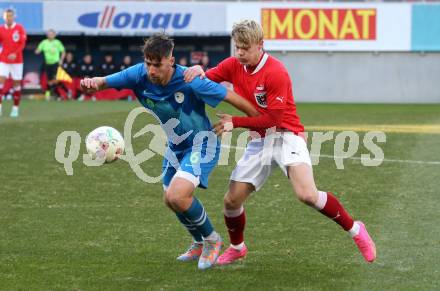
[[23, 39], [60, 46], [278, 84], [208, 91], [222, 72], [125, 79], [40, 46]]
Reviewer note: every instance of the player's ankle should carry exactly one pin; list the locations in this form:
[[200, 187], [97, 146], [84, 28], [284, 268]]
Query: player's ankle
[[354, 230], [213, 236], [238, 247]]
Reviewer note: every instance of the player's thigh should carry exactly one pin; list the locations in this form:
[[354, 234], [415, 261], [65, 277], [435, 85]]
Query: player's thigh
[[199, 162], [168, 172], [4, 72], [253, 167], [181, 182], [187, 166], [294, 160], [178, 186], [237, 194], [16, 83], [303, 182], [16, 72], [291, 151], [179, 194]]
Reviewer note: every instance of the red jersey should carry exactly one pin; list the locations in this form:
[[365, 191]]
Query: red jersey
[[13, 40], [267, 87]]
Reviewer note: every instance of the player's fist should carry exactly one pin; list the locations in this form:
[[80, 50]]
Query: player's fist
[[192, 72], [224, 125], [90, 85]]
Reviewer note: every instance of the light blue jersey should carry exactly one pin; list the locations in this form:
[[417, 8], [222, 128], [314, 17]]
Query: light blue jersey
[[184, 102], [180, 100]]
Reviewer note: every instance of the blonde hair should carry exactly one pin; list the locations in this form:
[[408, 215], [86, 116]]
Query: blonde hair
[[247, 32]]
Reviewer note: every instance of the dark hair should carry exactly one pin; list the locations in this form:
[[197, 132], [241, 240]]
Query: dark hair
[[9, 10], [158, 46]]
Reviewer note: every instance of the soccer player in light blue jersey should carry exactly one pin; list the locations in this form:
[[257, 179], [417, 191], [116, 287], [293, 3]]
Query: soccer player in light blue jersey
[[193, 149]]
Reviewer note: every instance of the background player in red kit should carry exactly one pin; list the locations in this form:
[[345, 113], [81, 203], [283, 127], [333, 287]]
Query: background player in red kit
[[265, 82], [13, 41]]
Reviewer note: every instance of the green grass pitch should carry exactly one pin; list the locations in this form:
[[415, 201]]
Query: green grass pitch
[[105, 229]]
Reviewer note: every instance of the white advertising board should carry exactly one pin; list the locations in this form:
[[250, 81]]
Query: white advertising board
[[129, 18]]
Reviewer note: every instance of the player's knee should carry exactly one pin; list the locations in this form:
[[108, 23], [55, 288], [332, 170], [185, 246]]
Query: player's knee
[[306, 196], [165, 200], [231, 201], [170, 199], [176, 202]]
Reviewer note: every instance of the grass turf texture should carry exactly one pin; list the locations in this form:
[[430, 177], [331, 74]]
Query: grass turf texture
[[103, 228]]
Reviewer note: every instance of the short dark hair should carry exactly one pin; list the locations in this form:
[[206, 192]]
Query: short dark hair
[[9, 10], [158, 46]]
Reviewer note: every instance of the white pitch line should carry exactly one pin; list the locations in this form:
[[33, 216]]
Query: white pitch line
[[384, 160], [358, 158]]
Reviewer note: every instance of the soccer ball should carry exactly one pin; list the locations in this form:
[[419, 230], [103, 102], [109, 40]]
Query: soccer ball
[[105, 143]]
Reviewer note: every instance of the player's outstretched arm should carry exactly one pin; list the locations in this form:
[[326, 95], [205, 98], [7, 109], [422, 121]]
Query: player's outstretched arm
[[225, 123], [241, 103], [92, 85], [272, 118]]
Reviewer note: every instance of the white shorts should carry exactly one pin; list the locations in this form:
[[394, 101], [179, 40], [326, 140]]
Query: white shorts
[[16, 71], [262, 155]]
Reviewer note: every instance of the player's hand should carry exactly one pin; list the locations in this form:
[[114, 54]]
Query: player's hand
[[12, 56], [89, 85], [224, 125], [192, 72]]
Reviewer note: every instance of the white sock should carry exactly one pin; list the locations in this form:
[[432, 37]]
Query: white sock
[[322, 200], [354, 231], [0, 107], [15, 108], [213, 236], [238, 247], [234, 212]]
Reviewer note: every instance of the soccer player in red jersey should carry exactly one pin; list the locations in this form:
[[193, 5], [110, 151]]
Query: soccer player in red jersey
[[265, 82], [13, 41]]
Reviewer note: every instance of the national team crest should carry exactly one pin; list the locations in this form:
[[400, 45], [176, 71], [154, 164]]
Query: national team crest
[[261, 99], [179, 96], [16, 36]]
